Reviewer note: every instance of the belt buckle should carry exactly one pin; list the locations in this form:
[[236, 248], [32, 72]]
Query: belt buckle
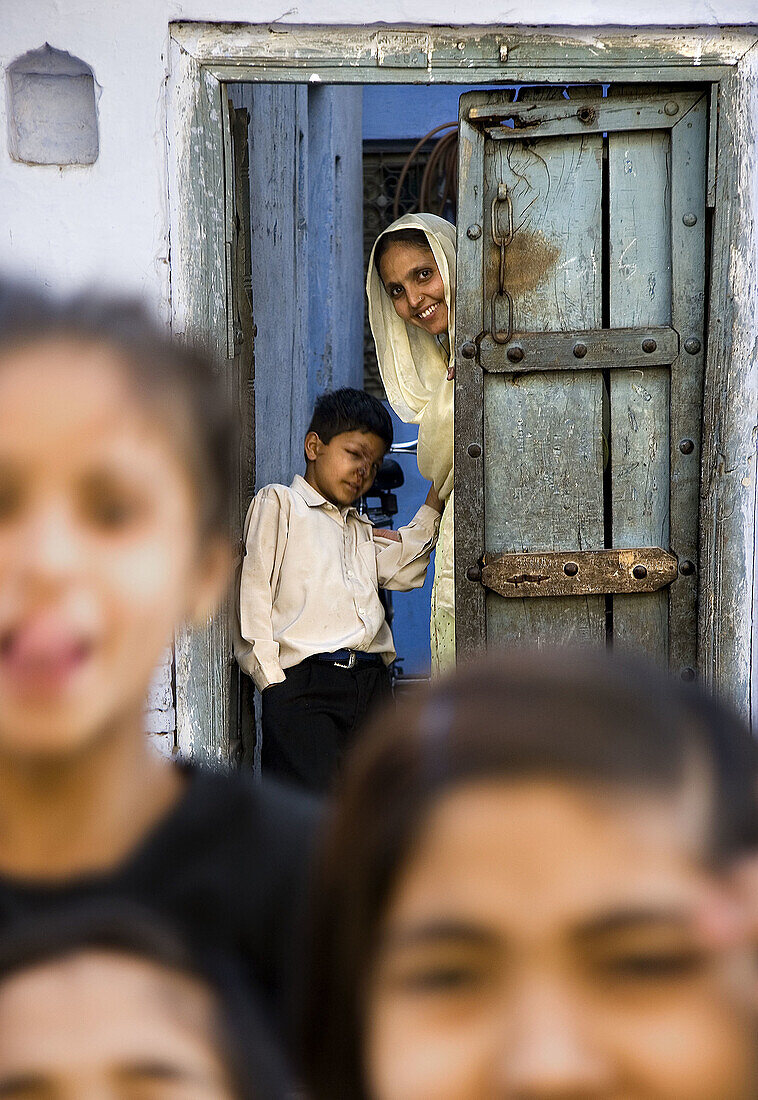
[[349, 663]]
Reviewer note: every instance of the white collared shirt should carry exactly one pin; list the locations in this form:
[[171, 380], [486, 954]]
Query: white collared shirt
[[310, 579]]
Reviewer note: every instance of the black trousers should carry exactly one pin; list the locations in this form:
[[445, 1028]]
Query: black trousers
[[311, 720]]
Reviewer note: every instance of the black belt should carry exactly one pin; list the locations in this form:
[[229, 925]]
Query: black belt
[[347, 658]]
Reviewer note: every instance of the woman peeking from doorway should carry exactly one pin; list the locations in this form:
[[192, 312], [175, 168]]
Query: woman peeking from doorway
[[411, 305]]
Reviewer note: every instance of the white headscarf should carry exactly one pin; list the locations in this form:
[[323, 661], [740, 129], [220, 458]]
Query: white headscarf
[[412, 363]]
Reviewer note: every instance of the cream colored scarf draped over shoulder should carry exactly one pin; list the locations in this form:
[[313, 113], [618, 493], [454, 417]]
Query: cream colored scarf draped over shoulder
[[412, 363]]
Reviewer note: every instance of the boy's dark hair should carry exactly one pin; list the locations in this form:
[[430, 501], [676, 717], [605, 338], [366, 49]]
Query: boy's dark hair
[[399, 236], [349, 410], [121, 928], [186, 379], [583, 717]]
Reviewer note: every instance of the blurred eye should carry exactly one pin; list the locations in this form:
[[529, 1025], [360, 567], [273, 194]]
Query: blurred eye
[[111, 507], [652, 965], [395, 291], [440, 979], [10, 498], [425, 274]]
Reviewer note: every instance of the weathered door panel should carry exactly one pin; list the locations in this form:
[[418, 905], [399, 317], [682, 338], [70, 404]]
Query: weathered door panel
[[639, 293], [582, 343], [548, 423]]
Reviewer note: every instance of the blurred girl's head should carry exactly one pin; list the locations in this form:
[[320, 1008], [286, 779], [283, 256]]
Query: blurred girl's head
[[100, 1000], [412, 279], [115, 476], [511, 888]]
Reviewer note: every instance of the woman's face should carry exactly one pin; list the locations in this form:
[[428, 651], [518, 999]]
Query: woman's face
[[413, 281], [542, 941]]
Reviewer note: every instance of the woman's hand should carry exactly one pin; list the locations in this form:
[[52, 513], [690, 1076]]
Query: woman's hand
[[386, 533], [433, 500]]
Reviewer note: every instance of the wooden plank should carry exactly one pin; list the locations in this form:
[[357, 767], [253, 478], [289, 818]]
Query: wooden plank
[[335, 239], [470, 623], [640, 294], [242, 741], [583, 115], [543, 439], [588, 349], [727, 655], [518, 55], [689, 140], [279, 269], [198, 303]]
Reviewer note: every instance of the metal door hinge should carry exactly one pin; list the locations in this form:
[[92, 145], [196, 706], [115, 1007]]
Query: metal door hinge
[[579, 572]]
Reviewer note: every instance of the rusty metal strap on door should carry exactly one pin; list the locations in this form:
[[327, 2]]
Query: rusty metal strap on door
[[579, 572], [592, 349]]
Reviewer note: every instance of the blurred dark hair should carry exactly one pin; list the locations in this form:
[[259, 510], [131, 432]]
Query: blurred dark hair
[[183, 378], [349, 410], [586, 717], [398, 236], [249, 1054]]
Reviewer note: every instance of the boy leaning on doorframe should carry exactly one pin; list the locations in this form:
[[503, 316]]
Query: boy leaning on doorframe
[[313, 632]]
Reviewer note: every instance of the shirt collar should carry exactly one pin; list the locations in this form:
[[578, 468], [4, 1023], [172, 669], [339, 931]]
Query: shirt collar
[[314, 499]]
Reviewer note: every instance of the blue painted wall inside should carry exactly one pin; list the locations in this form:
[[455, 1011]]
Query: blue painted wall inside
[[396, 112]]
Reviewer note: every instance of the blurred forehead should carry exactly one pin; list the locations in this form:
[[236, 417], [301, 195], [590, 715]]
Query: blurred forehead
[[538, 856], [100, 1005], [64, 401]]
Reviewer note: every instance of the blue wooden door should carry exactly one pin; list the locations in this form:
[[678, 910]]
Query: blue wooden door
[[579, 349]]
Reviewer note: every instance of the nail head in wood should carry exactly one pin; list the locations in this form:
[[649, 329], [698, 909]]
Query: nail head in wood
[[474, 450]]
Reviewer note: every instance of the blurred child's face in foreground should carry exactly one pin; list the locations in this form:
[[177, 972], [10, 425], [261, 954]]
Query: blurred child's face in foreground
[[99, 546], [345, 467], [542, 942], [101, 1025]]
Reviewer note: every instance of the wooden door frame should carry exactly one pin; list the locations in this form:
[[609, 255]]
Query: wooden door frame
[[204, 57]]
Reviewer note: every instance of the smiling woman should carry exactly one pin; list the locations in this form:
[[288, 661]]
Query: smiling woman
[[411, 303]]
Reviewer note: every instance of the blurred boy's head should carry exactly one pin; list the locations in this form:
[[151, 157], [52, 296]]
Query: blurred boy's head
[[115, 477], [348, 436], [514, 890], [102, 1002]]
